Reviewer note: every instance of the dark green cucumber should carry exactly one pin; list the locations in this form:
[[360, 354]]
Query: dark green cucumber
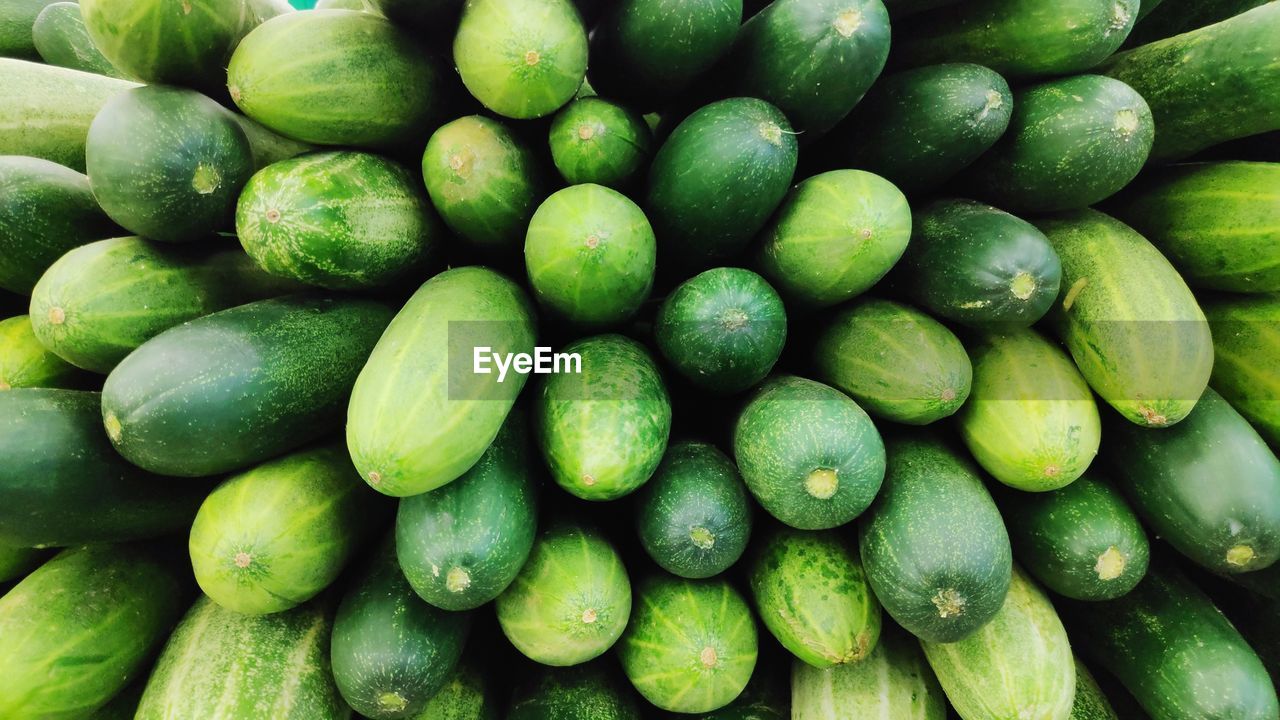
[[810, 455], [1182, 16], [723, 329], [933, 544], [597, 141], [61, 38], [694, 517], [766, 697], [467, 695], [1246, 366], [17, 562], [16, 17], [62, 484], [239, 386], [24, 362], [591, 691], [1090, 703]]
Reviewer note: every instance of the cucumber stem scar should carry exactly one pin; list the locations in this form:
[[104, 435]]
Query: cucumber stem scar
[[822, 483], [457, 580], [1110, 564], [949, 603], [1240, 555]]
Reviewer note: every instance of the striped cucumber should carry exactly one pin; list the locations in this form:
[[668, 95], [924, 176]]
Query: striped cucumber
[[597, 141], [60, 36], [1246, 367], [892, 682]]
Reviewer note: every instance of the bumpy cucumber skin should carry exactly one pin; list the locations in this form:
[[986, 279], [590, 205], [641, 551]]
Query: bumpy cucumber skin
[[601, 142], [893, 681], [24, 362], [1246, 366], [60, 36], [591, 691]]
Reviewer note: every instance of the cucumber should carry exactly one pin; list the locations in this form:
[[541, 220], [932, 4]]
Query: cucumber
[[16, 17], [1071, 143], [1246, 367], [603, 431], [1213, 221], [466, 695], [268, 146], [62, 484], [83, 625], [897, 362], [100, 301], [694, 517], [933, 545], [1019, 665], [571, 600], [221, 665], [61, 38], [236, 387], [1082, 541], [521, 58], [405, 449], [590, 255], [278, 78], [1209, 85], [18, 562], [979, 266], [746, 154], [1143, 347], [601, 142], [1090, 703], [273, 537], [811, 593], [24, 362], [1181, 16], [810, 456], [1231, 525], [461, 545], [341, 220], [691, 645], [1031, 421], [765, 698], [920, 127], [585, 692], [892, 682], [836, 235], [391, 652], [723, 329], [45, 210]]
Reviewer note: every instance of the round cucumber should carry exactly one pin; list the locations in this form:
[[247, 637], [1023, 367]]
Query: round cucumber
[[591, 691], [60, 36], [25, 363], [597, 141], [1246, 358]]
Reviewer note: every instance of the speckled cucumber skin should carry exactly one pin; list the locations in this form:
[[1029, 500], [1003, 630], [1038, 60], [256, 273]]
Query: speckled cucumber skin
[[1246, 367], [897, 362], [810, 455], [1031, 420], [61, 39], [933, 545], [221, 665], [239, 386], [571, 600], [16, 17], [83, 625], [836, 235], [466, 695], [1070, 144], [100, 301], [1127, 318], [892, 682], [584, 692], [17, 562], [597, 141], [25, 363], [341, 220], [1090, 703]]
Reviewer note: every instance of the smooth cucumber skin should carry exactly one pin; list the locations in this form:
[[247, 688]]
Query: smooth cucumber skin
[[933, 545], [893, 682], [571, 600], [836, 235], [1181, 16], [810, 455], [239, 386], [62, 484], [272, 538], [83, 625], [1082, 541], [601, 142], [1210, 85], [45, 210], [18, 562], [691, 644], [1090, 703], [24, 362], [101, 301], [221, 665], [466, 695], [1246, 367], [1031, 420], [60, 37], [603, 431], [461, 545], [918, 128], [16, 17], [1070, 144], [407, 448], [1144, 347], [746, 154], [694, 517], [1019, 665], [897, 362], [341, 220], [583, 692], [1214, 221], [979, 266], [279, 77], [1229, 526], [723, 329]]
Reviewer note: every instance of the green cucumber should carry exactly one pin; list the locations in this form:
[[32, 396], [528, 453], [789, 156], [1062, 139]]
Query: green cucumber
[[723, 329], [461, 545], [1031, 420], [100, 301], [16, 18], [466, 695], [836, 235], [597, 141], [24, 362], [897, 362], [407, 448], [571, 600], [1246, 366], [60, 36], [18, 562], [1090, 703], [1182, 16], [810, 455], [691, 645], [603, 431], [765, 698], [933, 545], [892, 682], [585, 692], [694, 517], [1144, 346], [239, 386]]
